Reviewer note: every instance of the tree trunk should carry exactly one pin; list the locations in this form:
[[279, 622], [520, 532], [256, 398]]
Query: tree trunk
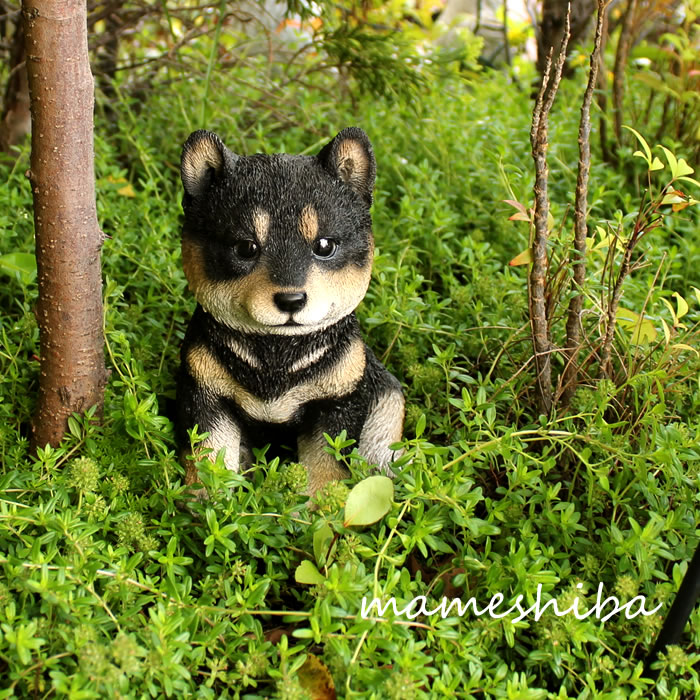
[[68, 236], [15, 122], [552, 26]]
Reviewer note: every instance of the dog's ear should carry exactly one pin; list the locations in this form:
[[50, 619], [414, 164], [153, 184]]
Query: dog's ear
[[203, 157], [349, 157]]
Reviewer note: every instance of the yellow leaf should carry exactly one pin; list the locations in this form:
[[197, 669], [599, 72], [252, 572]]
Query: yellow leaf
[[672, 310], [684, 168], [627, 317], [524, 258], [642, 331], [550, 222], [605, 241], [682, 305], [126, 191], [667, 331], [672, 162], [697, 293], [683, 346], [672, 198], [115, 180], [315, 678]]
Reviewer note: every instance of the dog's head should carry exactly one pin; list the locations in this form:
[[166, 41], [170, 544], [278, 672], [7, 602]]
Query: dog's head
[[278, 244]]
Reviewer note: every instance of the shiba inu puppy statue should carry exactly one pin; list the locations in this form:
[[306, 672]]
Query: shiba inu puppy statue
[[277, 250]]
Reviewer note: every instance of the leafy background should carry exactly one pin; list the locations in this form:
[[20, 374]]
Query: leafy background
[[112, 588]]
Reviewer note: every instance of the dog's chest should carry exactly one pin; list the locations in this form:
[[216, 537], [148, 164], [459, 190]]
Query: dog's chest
[[271, 379]]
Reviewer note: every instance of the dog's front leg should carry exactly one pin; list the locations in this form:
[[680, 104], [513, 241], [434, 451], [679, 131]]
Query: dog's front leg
[[330, 417], [199, 405]]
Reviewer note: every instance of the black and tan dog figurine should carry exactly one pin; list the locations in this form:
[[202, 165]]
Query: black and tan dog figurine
[[277, 250]]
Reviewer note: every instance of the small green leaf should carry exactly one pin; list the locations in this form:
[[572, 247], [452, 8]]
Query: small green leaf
[[74, 427], [684, 168], [420, 425], [322, 541], [672, 162], [644, 144], [369, 501], [307, 573]]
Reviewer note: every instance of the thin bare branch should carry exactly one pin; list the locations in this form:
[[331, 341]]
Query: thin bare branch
[[573, 323], [541, 340]]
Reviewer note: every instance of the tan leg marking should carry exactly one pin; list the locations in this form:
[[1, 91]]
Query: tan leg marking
[[321, 467], [224, 434], [383, 427]]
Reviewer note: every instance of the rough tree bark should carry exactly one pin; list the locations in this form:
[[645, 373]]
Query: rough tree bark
[[68, 237], [573, 322], [537, 281]]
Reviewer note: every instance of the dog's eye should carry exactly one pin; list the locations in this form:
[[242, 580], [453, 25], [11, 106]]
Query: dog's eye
[[325, 248], [246, 249]]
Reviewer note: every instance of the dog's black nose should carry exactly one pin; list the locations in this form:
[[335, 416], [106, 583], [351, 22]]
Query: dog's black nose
[[289, 302]]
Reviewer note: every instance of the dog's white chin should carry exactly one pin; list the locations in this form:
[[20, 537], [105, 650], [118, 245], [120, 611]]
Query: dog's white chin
[[254, 326], [286, 329]]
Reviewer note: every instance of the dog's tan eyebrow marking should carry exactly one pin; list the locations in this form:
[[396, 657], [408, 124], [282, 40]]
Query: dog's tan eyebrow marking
[[308, 223], [261, 224]]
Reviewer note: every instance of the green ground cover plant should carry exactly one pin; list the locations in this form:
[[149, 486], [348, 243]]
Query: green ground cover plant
[[112, 588]]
